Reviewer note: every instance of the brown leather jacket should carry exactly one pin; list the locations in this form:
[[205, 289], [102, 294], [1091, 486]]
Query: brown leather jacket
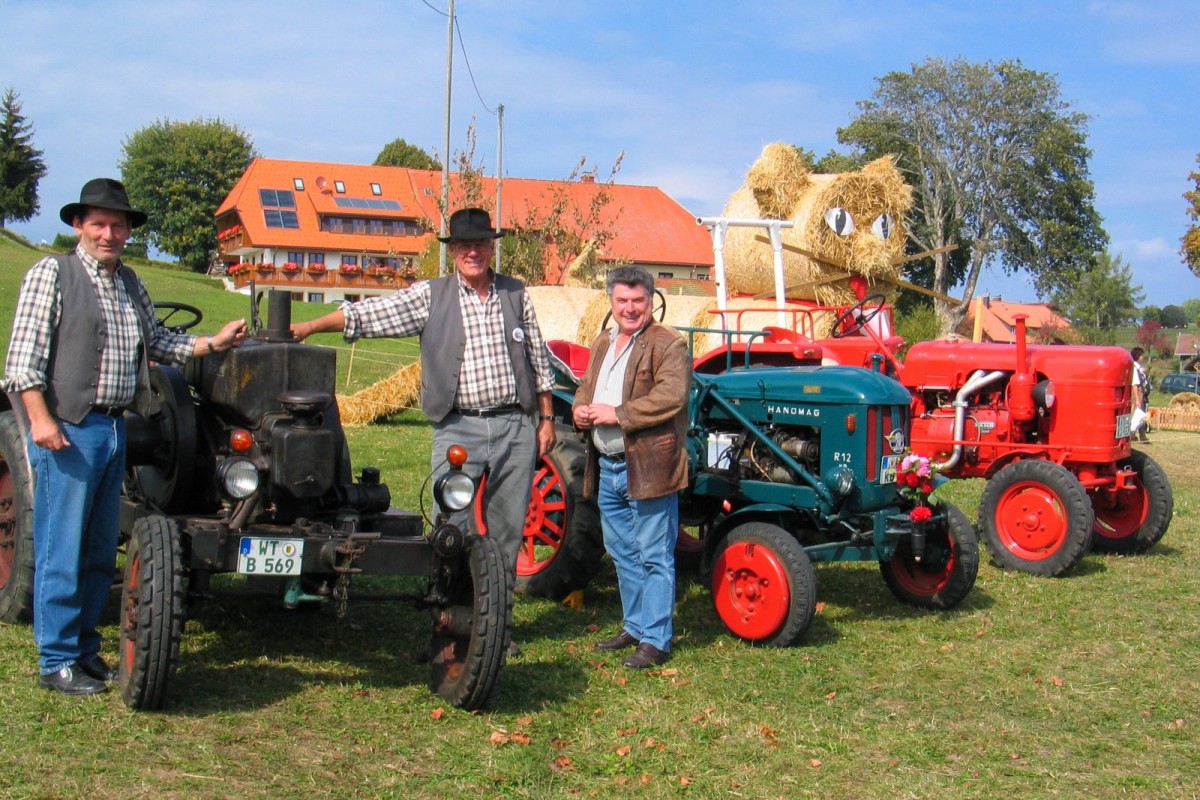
[[652, 414]]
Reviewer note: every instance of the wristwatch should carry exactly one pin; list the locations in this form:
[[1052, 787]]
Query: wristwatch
[[546, 418]]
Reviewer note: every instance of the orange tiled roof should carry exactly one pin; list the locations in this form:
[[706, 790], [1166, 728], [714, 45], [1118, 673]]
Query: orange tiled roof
[[649, 226], [999, 318]]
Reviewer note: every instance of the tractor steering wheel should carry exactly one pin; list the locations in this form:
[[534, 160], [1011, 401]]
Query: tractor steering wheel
[[860, 317], [164, 311], [659, 311]]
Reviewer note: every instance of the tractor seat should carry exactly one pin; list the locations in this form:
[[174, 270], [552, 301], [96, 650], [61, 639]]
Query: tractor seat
[[568, 357]]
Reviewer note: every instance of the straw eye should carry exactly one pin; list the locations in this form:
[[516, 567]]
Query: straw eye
[[883, 226], [840, 221]]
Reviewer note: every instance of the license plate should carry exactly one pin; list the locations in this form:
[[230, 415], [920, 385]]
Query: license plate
[[1124, 425], [262, 556], [887, 468]]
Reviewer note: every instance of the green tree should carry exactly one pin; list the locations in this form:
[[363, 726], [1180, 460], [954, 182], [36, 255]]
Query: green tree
[[1192, 309], [1173, 317], [399, 153], [998, 166], [1103, 296], [178, 173], [1191, 239], [21, 164]]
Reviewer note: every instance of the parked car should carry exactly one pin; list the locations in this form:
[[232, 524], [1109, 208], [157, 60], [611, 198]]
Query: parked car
[[1180, 382]]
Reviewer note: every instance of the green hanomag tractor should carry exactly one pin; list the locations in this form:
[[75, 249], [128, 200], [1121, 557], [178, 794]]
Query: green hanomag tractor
[[788, 466]]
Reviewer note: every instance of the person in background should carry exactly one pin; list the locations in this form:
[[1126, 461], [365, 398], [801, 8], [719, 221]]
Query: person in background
[[1141, 391], [633, 402], [485, 374], [82, 335]]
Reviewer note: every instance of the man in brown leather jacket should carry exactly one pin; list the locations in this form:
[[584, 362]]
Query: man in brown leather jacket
[[633, 401]]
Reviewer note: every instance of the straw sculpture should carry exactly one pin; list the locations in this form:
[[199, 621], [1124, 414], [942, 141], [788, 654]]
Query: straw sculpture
[[780, 186]]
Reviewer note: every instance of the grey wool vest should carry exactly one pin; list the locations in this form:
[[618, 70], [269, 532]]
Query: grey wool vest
[[444, 344], [73, 372]]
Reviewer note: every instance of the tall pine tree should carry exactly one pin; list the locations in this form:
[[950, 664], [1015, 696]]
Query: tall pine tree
[[21, 164]]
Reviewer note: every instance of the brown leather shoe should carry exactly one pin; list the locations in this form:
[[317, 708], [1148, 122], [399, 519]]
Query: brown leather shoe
[[646, 655], [619, 642]]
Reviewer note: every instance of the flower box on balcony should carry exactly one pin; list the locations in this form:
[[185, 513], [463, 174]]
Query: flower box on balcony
[[290, 266], [316, 269], [350, 269]]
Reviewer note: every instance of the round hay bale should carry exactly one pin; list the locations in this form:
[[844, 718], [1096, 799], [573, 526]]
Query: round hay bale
[[559, 310], [399, 391], [1188, 399]]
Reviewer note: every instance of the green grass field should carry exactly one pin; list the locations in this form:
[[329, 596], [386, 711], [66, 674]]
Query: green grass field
[[1079, 687]]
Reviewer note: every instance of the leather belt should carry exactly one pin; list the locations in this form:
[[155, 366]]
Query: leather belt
[[614, 456], [110, 411], [488, 412]]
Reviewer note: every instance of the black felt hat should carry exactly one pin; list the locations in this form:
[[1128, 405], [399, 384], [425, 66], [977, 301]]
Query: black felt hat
[[102, 193], [471, 224]]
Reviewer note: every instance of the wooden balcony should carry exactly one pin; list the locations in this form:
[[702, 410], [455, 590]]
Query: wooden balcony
[[303, 280]]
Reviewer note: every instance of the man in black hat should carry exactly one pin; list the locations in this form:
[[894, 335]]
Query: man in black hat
[[485, 376], [82, 335]]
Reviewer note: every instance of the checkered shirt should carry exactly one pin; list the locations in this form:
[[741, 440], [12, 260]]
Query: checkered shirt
[[39, 307], [487, 379]]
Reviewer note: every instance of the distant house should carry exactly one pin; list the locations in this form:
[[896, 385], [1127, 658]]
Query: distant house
[[328, 232], [994, 320], [1187, 350]]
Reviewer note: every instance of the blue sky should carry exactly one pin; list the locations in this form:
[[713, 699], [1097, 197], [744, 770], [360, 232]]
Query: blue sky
[[688, 91]]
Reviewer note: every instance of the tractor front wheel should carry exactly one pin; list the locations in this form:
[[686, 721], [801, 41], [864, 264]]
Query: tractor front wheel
[[948, 566], [152, 612], [1036, 518], [16, 524], [764, 587], [1133, 520], [470, 632]]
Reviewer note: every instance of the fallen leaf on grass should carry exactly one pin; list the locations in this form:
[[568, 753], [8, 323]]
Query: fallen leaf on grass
[[522, 738], [683, 781], [562, 764], [1057, 681], [831, 696], [1175, 725], [498, 737], [623, 750], [815, 763], [820, 607], [1014, 756], [574, 599], [437, 713], [525, 721], [627, 731]]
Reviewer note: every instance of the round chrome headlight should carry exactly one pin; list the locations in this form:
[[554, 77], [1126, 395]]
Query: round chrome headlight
[[454, 490], [238, 477], [842, 481]]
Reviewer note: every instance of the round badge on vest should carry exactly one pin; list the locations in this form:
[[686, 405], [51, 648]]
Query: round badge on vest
[[518, 335]]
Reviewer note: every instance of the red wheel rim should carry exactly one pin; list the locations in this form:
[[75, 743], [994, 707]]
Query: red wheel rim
[[1121, 515], [924, 579], [750, 590], [129, 620], [8, 526], [1031, 521], [545, 520]]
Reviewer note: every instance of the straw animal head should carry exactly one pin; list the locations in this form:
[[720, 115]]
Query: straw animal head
[[850, 222]]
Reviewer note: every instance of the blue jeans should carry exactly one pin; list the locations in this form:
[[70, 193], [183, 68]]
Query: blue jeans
[[640, 536], [76, 511]]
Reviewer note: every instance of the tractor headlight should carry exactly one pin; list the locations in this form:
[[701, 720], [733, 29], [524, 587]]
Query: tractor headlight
[[842, 481], [454, 491], [1043, 394], [238, 477]]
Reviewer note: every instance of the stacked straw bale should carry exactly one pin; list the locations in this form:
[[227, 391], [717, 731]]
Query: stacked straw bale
[[780, 186], [399, 391]]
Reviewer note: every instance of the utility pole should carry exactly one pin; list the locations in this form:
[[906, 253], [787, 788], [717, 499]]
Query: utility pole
[[499, 177], [446, 140]]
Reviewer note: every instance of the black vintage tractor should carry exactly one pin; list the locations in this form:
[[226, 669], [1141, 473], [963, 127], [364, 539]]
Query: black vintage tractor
[[242, 467]]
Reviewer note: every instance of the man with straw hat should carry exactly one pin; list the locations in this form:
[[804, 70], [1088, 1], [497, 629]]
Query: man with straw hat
[[83, 333], [485, 376]]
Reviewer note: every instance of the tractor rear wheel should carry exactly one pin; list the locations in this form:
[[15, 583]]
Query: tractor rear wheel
[[16, 524], [152, 612], [764, 587], [562, 545], [1133, 521], [947, 569], [470, 633], [1036, 518]]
